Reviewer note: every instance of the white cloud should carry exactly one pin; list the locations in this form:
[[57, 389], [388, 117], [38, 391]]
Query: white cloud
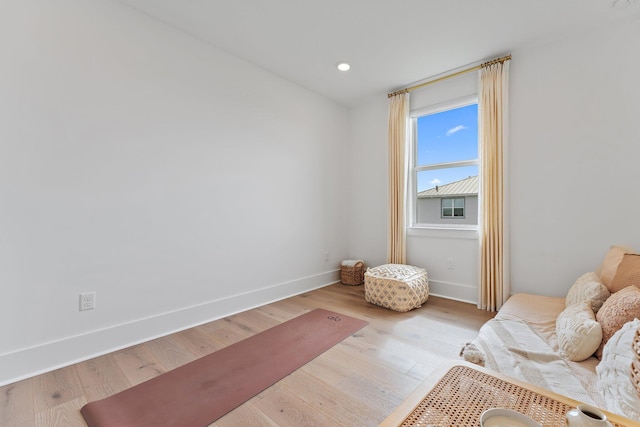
[[435, 182], [455, 129]]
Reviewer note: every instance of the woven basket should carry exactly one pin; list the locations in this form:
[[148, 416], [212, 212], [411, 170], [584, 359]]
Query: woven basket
[[352, 275]]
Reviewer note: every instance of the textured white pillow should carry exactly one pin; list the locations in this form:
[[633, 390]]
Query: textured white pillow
[[588, 288], [579, 334], [614, 378]]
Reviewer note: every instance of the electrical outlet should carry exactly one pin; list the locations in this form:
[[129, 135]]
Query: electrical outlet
[[87, 301], [450, 263]]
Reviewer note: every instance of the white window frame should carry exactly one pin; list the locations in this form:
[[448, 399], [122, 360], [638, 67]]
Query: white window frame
[[412, 181]]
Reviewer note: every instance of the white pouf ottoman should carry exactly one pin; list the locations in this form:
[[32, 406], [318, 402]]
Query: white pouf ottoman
[[398, 287]]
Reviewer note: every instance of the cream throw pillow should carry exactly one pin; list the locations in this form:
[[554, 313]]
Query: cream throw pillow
[[614, 378], [588, 288], [579, 335]]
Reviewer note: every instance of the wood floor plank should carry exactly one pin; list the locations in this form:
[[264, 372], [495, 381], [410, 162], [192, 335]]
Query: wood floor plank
[[421, 370], [101, 377], [138, 363], [56, 388], [403, 347], [169, 352], [196, 341], [247, 415], [374, 394], [16, 404], [249, 323], [288, 410], [225, 336], [254, 321], [18, 423], [333, 401], [326, 368], [66, 414], [351, 363], [357, 382], [370, 351], [279, 312]]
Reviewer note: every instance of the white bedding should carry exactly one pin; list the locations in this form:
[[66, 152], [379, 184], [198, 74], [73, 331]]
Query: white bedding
[[513, 348]]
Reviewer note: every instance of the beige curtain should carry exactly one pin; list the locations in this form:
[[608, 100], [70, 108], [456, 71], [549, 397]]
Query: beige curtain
[[494, 240], [398, 123]]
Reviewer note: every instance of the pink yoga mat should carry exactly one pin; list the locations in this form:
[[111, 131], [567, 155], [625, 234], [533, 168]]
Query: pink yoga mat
[[198, 393]]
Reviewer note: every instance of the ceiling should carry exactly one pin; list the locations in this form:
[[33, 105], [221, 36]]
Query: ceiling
[[389, 43]]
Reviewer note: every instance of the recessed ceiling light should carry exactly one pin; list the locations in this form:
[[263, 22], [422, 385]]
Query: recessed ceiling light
[[343, 66]]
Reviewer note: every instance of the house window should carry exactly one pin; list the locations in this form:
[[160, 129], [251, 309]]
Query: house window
[[443, 179], [453, 208]]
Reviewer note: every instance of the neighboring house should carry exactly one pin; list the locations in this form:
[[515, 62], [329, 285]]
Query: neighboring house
[[453, 203]]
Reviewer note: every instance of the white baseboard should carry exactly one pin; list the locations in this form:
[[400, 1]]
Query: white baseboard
[[28, 362], [454, 291]]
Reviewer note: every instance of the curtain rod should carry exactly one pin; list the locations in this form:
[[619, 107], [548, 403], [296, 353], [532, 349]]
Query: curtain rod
[[448, 76]]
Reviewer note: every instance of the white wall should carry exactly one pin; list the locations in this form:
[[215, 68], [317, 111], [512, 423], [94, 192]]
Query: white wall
[[177, 182], [368, 184], [575, 144]]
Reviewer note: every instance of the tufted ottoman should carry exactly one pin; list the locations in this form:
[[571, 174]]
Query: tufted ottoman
[[396, 286]]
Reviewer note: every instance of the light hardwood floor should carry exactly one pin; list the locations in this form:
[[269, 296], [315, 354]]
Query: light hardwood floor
[[356, 383]]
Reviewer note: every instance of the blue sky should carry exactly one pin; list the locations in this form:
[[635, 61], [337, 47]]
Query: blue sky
[[448, 136]]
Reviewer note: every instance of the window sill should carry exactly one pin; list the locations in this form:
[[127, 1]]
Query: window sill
[[470, 232]]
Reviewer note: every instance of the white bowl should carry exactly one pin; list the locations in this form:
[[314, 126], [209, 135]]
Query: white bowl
[[499, 417]]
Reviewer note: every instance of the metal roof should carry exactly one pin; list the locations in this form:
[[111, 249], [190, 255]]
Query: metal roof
[[464, 187]]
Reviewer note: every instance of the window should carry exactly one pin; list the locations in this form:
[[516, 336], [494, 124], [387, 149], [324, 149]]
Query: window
[[443, 178], [453, 208]]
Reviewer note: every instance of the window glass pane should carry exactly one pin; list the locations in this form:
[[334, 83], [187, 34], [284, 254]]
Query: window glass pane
[[448, 136], [449, 202], [446, 195], [441, 177]]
